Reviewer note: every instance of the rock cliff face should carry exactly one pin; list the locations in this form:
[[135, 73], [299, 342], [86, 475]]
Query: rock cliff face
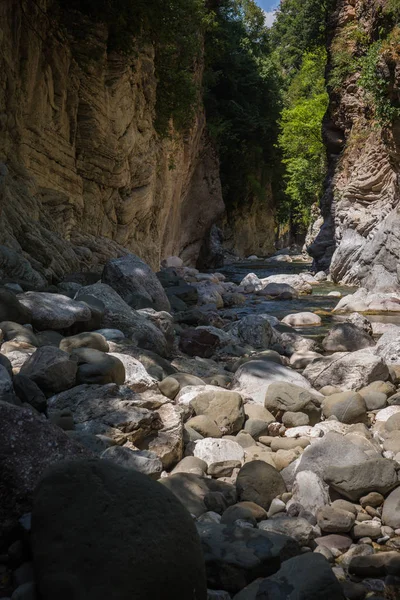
[[84, 176], [360, 236]]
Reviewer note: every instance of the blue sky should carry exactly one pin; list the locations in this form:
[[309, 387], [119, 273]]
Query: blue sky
[[268, 6]]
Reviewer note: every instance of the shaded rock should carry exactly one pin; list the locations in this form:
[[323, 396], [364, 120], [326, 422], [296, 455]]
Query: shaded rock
[[357, 480], [107, 410], [253, 379], [54, 311], [51, 369], [143, 461], [6, 386], [282, 291], [90, 492], [223, 407], [235, 556], [298, 282], [299, 360], [260, 483], [375, 565], [393, 423], [28, 445], [168, 444], [18, 333], [28, 391], [295, 527], [367, 529], [347, 407], [84, 340], [198, 342], [11, 309], [391, 509], [305, 577], [171, 385], [247, 511], [97, 367], [346, 337], [119, 315], [135, 282], [351, 371], [295, 419], [190, 464], [374, 400], [193, 491]]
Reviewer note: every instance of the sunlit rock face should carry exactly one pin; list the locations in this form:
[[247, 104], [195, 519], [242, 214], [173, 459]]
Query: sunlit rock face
[[360, 236]]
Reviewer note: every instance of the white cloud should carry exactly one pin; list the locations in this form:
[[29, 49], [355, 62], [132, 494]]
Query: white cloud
[[270, 17]]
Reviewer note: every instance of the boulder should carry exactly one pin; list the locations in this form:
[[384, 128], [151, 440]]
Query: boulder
[[305, 577], [351, 371], [356, 480], [119, 555], [11, 309], [51, 369], [135, 282], [245, 511], [119, 315], [347, 407], [190, 464], [298, 282], [388, 347], [251, 281], [198, 342], [375, 565], [84, 340], [346, 337], [98, 367], [136, 376], [28, 445], [364, 301], [107, 410], [297, 528], [310, 491], [195, 492], [54, 311], [279, 290], [28, 391], [253, 379], [143, 461], [168, 444], [283, 397], [214, 451], [223, 407], [260, 483], [391, 509], [6, 386], [18, 333], [302, 319], [235, 556], [256, 331], [333, 449], [360, 321], [335, 520], [205, 426]]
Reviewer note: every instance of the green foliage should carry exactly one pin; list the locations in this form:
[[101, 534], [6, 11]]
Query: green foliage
[[175, 28], [300, 139], [392, 8], [377, 86], [242, 98], [346, 50], [300, 27]]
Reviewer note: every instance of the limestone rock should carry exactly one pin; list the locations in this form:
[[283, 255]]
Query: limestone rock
[[218, 450], [347, 407], [302, 319], [168, 444], [134, 281], [223, 407], [136, 376], [391, 509], [140, 460], [283, 397], [51, 369], [351, 371], [54, 311], [93, 491], [195, 491], [198, 342], [357, 480], [253, 379], [107, 410], [256, 330], [260, 483], [118, 315], [346, 337], [28, 445]]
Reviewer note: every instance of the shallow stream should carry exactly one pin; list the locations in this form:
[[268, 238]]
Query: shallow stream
[[318, 302]]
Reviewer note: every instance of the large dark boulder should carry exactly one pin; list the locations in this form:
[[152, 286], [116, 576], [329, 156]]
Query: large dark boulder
[[135, 282], [101, 531]]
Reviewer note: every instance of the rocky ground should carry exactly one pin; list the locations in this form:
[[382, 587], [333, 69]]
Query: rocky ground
[[154, 445]]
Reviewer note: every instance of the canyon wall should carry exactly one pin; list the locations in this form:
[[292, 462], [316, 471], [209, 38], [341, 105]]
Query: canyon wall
[[360, 235], [83, 174]]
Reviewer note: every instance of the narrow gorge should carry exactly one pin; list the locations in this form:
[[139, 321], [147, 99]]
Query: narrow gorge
[[199, 299]]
